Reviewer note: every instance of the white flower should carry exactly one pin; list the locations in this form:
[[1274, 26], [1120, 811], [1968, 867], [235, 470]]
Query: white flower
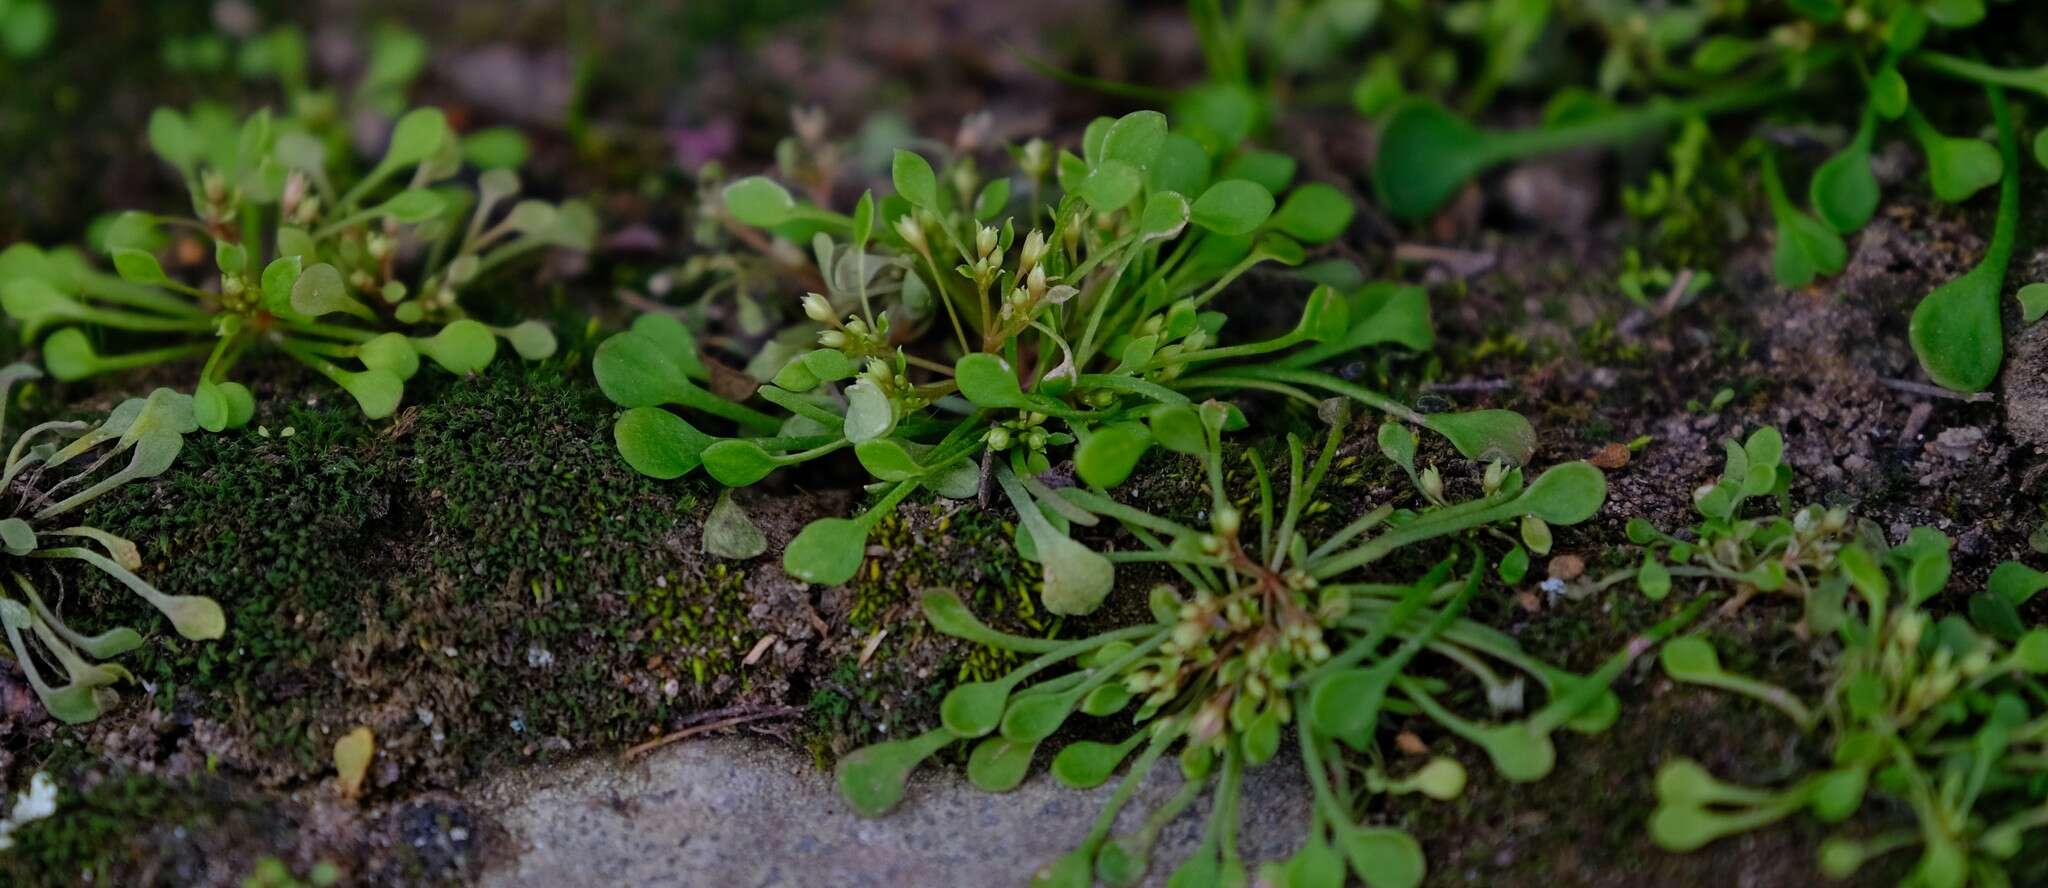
[[35, 803]]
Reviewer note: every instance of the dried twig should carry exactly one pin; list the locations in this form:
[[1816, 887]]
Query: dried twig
[[753, 715], [1935, 391]]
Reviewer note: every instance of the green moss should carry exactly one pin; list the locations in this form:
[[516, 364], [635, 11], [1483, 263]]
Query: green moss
[[105, 835], [463, 581]]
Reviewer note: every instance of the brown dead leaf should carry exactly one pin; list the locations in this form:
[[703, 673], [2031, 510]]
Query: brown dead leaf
[[1567, 567], [1610, 457]]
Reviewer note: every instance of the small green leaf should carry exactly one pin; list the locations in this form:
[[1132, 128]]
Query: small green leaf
[[975, 708], [1110, 186], [1086, 764], [1487, 434], [1844, 190], [495, 148], [1135, 139], [758, 201], [416, 136], [532, 340], [138, 267], [1232, 207], [1425, 155], [1384, 857], [1654, 578], [737, 462], [1888, 93], [994, 197], [998, 764], [659, 444], [914, 179], [1107, 455], [888, 460], [320, 291], [1178, 428], [1806, 250], [828, 551], [172, 137], [415, 205], [464, 347], [377, 392], [869, 412], [1314, 214], [1565, 494], [872, 778], [2033, 302], [987, 381]]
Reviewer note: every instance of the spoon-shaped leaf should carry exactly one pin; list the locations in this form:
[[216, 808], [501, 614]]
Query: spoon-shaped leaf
[[1034, 717], [975, 708], [872, 778], [1844, 191], [1487, 434], [998, 764], [1384, 857], [1426, 154], [1566, 494], [464, 347], [390, 351], [1087, 764], [1956, 330], [1956, 167]]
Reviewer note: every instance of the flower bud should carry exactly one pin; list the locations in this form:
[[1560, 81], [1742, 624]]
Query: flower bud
[[911, 231], [1432, 483], [1227, 521], [1033, 250], [1035, 282], [832, 339], [819, 309], [985, 241]]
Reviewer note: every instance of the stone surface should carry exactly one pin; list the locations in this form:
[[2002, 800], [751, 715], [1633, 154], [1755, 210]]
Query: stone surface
[[741, 812]]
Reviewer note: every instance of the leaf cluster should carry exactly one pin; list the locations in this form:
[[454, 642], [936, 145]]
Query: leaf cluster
[[954, 335], [52, 469], [1266, 629], [356, 275]]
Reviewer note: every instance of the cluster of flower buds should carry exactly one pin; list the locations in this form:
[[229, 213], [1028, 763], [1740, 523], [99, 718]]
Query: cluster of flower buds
[[1026, 430], [988, 258], [853, 335], [1922, 681], [1196, 340], [1249, 656], [298, 205], [221, 201]]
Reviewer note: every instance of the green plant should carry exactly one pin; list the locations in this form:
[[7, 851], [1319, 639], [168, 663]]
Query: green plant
[[1931, 713], [26, 27], [52, 469], [308, 258], [1778, 551], [1266, 629], [1100, 325], [1743, 60]]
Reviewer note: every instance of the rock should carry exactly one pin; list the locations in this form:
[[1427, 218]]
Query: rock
[[2026, 386], [748, 812]]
